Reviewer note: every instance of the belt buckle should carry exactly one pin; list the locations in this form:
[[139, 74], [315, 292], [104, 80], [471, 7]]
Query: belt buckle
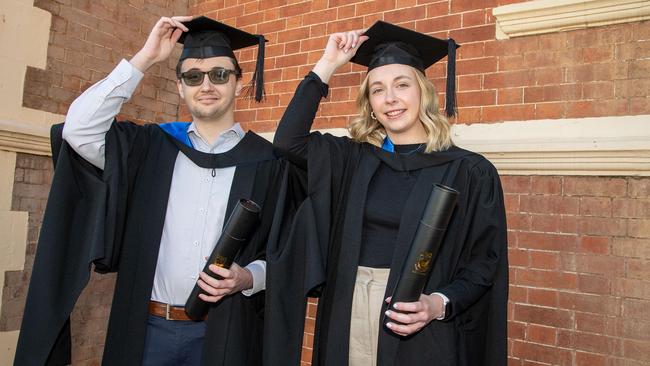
[[167, 312]]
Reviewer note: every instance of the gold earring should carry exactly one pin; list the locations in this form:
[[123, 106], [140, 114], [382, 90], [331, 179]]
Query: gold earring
[[372, 115]]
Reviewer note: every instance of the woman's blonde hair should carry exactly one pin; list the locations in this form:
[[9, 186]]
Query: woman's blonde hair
[[364, 128]]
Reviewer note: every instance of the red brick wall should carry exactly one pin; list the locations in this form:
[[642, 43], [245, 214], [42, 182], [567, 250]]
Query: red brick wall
[[579, 250], [583, 73], [87, 39]]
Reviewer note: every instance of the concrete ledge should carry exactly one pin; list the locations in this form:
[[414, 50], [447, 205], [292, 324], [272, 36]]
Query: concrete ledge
[[548, 16], [610, 146]]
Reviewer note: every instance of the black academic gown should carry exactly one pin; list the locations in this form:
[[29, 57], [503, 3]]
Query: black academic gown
[[324, 242], [114, 219]]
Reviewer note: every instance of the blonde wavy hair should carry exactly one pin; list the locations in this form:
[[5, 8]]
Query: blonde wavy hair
[[365, 129]]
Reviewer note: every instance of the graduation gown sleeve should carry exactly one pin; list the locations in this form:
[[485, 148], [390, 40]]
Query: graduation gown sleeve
[[80, 205]]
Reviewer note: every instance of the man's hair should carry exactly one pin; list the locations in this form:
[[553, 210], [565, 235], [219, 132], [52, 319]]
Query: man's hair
[[238, 70]]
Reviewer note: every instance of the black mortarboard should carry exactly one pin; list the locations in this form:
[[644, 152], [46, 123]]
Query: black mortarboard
[[209, 38], [389, 44]]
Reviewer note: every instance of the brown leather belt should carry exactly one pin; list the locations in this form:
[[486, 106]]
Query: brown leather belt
[[168, 312]]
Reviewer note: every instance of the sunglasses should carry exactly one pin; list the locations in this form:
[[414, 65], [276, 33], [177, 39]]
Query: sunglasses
[[218, 75]]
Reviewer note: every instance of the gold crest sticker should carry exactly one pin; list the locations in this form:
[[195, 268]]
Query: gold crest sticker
[[422, 264], [220, 261]]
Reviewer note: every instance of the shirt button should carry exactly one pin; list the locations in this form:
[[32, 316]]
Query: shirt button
[[196, 243], [201, 210]]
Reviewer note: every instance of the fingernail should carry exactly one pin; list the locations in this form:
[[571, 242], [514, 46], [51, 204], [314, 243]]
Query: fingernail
[[395, 306], [389, 325], [387, 312], [354, 45]]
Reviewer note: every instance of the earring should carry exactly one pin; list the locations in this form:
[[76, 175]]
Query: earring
[[372, 115]]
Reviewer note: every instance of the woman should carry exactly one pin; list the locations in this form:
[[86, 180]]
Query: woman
[[365, 195]]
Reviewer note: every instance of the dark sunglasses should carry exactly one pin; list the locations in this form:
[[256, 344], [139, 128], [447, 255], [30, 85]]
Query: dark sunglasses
[[218, 75]]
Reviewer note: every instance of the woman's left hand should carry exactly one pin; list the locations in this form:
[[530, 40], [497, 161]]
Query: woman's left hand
[[410, 317]]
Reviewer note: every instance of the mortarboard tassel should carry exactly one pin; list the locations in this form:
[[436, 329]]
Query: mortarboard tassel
[[450, 95], [257, 83]]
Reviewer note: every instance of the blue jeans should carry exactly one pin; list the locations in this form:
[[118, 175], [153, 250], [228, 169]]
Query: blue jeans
[[173, 342]]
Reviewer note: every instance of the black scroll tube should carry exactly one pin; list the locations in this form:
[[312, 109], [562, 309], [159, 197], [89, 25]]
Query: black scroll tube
[[425, 245], [236, 233]]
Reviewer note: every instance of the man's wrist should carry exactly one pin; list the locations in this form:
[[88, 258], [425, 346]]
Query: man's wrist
[[444, 306]]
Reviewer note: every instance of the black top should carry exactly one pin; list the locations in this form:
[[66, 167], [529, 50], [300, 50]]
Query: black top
[[387, 195]]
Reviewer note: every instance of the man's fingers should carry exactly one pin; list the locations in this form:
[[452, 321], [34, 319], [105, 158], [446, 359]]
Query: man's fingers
[[220, 271], [207, 298]]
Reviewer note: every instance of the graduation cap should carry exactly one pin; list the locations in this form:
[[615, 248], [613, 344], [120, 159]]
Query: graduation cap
[[209, 38], [389, 44]]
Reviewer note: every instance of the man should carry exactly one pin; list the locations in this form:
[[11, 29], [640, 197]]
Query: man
[[152, 207]]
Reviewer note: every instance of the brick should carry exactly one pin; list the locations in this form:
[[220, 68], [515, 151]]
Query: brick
[[437, 24], [549, 75], [518, 258], [544, 260], [508, 113], [510, 96], [637, 350], [594, 284], [542, 353], [592, 323], [547, 279], [543, 297], [517, 294], [600, 264], [469, 82], [631, 208], [550, 110], [543, 241], [636, 329], [546, 185], [474, 34], [543, 335], [549, 204], [637, 268], [596, 206], [594, 244], [598, 90], [598, 343], [516, 330], [636, 309], [518, 221], [516, 183], [600, 72], [639, 187], [589, 359], [639, 228], [634, 288], [590, 303], [543, 316], [476, 98], [508, 79], [594, 186]]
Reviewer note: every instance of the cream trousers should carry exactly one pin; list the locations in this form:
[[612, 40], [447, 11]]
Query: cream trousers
[[367, 303]]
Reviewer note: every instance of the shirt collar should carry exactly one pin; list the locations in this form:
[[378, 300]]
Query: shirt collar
[[235, 130]]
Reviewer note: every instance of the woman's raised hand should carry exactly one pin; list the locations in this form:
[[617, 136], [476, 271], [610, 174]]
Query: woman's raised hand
[[340, 48]]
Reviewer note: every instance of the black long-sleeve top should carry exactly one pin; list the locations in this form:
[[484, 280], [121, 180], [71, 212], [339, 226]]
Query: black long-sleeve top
[[388, 190]]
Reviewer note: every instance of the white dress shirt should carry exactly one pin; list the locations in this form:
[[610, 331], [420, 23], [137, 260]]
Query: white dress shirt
[[197, 200]]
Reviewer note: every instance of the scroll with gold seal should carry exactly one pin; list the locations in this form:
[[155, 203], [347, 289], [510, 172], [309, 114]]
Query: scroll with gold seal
[[238, 230], [428, 237]]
